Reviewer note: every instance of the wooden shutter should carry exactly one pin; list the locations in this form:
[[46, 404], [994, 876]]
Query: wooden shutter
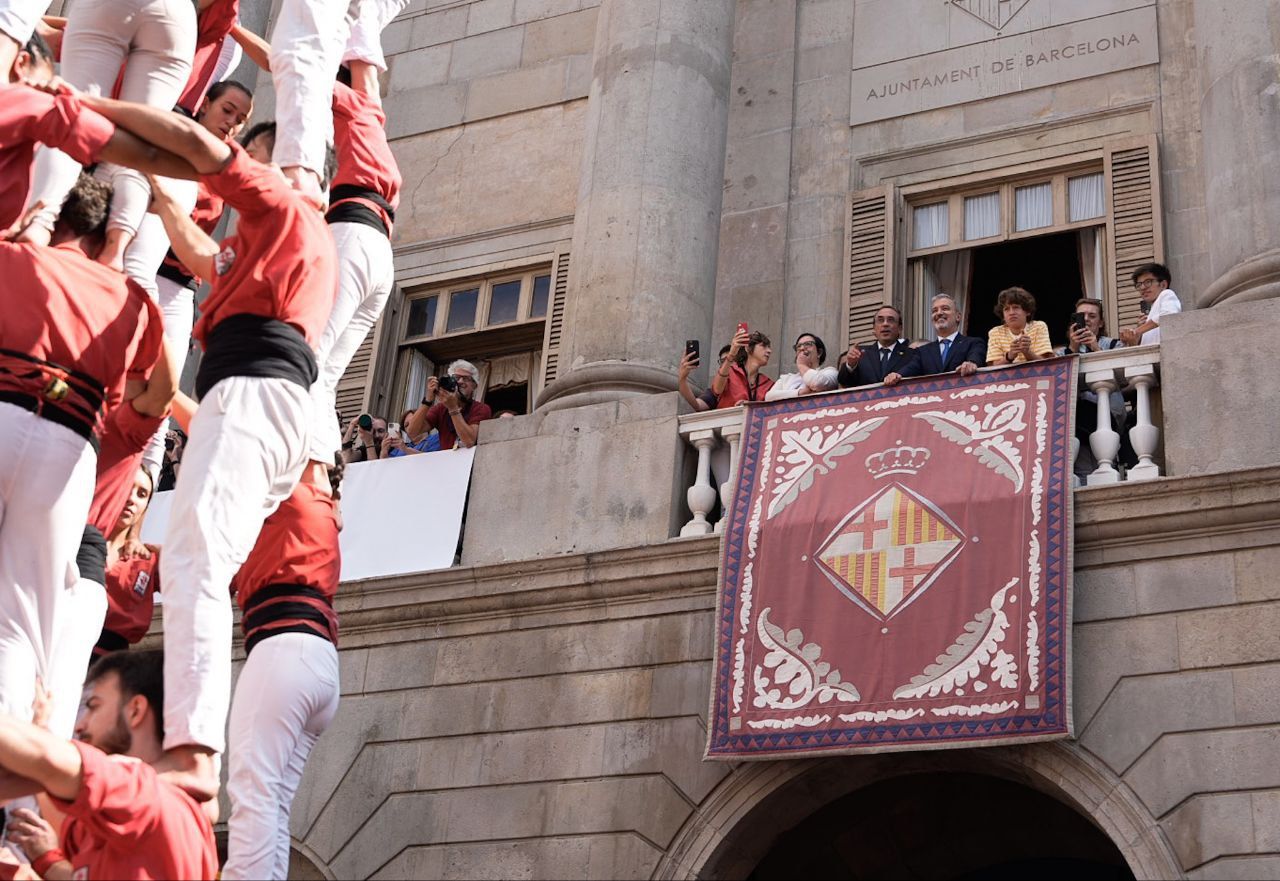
[[354, 385], [1134, 232], [870, 261], [555, 319]]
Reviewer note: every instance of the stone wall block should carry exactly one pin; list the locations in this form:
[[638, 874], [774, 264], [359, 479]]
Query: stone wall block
[[549, 39], [444, 26], [532, 10], [1236, 635], [489, 15], [414, 111], [484, 54], [1238, 869], [1184, 583], [1256, 574], [517, 90], [420, 67], [1266, 820], [1257, 694], [1104, 651], [1142, 708], [593, 856], [1209, 826], [1104, 593], [1181, 765]]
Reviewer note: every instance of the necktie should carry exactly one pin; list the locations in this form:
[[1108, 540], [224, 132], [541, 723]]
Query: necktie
[[884, 357], [946, 347]]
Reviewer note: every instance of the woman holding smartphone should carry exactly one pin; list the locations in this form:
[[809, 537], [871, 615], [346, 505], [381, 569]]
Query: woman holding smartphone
[[739, 379]]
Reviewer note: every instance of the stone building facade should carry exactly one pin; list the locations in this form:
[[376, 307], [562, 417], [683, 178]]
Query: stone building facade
[[589, 183]]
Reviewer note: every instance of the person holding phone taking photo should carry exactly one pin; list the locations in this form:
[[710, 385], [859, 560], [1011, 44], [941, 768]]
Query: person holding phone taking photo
[[739, 379]]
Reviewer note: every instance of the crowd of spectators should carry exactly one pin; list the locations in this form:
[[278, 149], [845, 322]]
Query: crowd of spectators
[[890, 357]]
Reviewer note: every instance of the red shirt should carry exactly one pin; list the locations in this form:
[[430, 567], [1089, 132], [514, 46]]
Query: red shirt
[[298, 545], [131, 595], [212, 26], [280, 263], [28, 116], [738, 388], [474, 412], [128, 823], [125, 435], [60, 306], [360, 140], [207, 213]]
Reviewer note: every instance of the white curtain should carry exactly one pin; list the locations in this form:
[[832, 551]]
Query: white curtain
[[946, 274], [1032, 207], [930, 222], [510, 370], [1086, 198], [415, 386], [1091, 247], [981, 216]]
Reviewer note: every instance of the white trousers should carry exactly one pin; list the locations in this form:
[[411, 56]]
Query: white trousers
[[306, 48], [177, 309], [286, 697], [366, 275], [365, 42], [157, 38], [79, 626], [247, 449], [46, 484], [18, 18]]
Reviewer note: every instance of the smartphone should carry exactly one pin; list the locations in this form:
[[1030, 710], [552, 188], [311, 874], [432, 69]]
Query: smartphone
[[1077, 319], [742, 327], [692, 347], [393, 429]]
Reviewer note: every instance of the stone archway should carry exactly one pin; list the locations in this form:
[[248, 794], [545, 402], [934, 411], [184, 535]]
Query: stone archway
[[739, 823]]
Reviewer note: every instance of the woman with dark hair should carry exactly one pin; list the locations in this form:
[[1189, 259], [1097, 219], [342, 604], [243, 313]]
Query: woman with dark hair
[[132, 581], [739, 379], [810, 376]]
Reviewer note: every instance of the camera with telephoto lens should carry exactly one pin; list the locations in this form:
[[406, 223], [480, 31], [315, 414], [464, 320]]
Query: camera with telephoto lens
[[365, 421], [448, 383]]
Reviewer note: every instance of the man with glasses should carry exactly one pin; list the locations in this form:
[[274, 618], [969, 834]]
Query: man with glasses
[[452, 412], [810, 376], [1152, 282], [953, 352], [883, 360]]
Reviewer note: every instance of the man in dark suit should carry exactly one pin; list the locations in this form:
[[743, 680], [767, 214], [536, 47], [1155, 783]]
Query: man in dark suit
[[953, 351], [883, 360]]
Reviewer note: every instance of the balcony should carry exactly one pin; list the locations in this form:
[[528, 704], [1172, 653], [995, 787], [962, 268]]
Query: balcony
[[1128, 376]]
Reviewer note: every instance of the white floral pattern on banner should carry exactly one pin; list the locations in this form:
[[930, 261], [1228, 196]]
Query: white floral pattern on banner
[[1033, 547], [975, 709], [796, 666], [881, 715], [966, 657], [820, 415], [984, 390], [985, 437], [1033, 652], [793, 722], [813, 451], [894, 403]]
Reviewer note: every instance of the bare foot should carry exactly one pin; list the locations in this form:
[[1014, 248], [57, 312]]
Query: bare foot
[[191, 768], [306, 182]]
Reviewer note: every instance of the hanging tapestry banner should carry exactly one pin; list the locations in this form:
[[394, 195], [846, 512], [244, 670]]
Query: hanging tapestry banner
[[896, 569]]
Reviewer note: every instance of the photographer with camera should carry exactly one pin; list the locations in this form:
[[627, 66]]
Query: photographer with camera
[[449, 407], [362, 441]]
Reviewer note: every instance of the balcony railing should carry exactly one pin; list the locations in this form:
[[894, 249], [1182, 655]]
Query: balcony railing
[[1132, 374]]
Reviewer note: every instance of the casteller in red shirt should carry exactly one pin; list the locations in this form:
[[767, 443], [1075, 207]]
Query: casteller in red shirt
[[279, 264], [125, 436], [366, 165], [128, 823], [62, 308], [131, 599], [28, 116], [288, 581]]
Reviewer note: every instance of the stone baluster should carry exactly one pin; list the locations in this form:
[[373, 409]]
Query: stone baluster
[[702, 495], [1075, 454], [1144, 436], [1105, 440], [732, 434]]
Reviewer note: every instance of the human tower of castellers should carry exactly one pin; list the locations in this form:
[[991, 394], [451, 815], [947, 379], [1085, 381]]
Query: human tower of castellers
[[121, 145]]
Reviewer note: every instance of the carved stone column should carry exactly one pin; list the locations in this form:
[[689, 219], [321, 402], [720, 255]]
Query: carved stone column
[[647, 219], [1240, 115]]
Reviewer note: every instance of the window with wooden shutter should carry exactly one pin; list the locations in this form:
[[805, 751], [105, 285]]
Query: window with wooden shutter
[[1134, 229], [870, 256], [353, 387], [555, 319]]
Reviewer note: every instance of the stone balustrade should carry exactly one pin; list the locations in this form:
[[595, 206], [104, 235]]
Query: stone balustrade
[[1131, 375]]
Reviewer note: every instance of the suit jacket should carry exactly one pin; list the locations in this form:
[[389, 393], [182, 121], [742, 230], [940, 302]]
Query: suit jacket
[[928, 358], [869, 370]]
